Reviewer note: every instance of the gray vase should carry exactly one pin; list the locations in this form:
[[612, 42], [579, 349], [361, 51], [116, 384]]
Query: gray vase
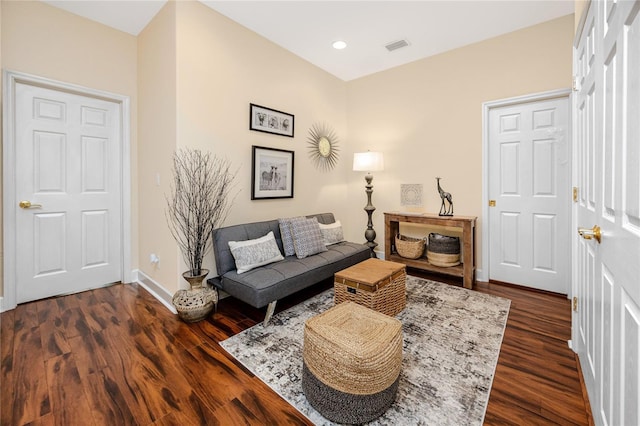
[[196, 303]]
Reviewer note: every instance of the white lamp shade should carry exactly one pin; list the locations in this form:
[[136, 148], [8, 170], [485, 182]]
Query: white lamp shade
[[368, 161]]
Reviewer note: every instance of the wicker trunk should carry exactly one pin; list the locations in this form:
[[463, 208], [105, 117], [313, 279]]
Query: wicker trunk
[[377, 284]]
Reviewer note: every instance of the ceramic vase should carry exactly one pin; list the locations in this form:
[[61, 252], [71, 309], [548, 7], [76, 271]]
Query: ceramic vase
[[197, 302]]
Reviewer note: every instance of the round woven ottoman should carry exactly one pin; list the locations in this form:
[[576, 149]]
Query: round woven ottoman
[[352, 358]]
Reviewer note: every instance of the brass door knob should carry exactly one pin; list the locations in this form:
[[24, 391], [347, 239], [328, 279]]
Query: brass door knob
[[588, 234], [26, 204]]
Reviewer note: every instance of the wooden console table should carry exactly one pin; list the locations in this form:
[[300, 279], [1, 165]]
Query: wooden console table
[[468, 225]]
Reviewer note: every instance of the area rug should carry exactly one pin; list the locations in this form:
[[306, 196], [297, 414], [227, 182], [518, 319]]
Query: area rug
[[452, 339]]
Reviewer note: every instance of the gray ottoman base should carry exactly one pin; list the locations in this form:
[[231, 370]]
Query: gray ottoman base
[[343, 407]]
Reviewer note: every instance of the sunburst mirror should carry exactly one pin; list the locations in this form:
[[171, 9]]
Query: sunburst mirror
[[323, 146]]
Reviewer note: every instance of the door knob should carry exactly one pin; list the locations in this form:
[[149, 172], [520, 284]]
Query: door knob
[[26, 204], [588, 234]]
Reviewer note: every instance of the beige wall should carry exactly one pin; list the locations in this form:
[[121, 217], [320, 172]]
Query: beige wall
[[427, 116], [46, 41], [580, 8], [195, 72], [157, 72], [49, 42], [221, 69]]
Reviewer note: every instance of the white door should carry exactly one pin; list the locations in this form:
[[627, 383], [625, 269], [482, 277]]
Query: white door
[[606, 326], [582, 328], [530, 193], [67, 150]]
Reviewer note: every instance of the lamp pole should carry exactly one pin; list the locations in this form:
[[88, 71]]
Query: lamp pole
[[370, 233], [369, 162]]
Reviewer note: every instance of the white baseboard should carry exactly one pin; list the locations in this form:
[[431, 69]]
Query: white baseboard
[[155, 289], [481, 276]]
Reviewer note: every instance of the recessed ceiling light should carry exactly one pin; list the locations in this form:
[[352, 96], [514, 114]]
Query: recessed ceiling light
[[339, 45]]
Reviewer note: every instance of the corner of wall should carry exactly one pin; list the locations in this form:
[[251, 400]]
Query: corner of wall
[[157, 62]]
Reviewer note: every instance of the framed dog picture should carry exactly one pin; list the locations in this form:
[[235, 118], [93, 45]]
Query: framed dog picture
[[263, 119], [272, 173]]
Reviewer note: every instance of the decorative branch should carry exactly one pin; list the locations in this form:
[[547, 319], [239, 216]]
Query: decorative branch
[[199, 202]]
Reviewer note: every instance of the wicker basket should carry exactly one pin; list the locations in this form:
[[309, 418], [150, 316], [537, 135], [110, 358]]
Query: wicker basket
[[443, 250], [377, 284], [409, 247]]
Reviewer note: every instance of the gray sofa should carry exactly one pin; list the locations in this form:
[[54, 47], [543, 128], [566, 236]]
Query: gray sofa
[[266, 284]]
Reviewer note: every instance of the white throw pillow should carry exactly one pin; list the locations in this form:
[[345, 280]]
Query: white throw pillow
[[250, 254], [307, 238], [332, 233]]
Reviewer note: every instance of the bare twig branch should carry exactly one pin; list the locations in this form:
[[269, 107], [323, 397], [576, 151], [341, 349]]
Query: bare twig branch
[[199, 202]]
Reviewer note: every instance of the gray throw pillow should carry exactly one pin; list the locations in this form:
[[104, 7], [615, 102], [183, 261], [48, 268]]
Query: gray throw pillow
[[307, 238], [285, 234], [250, 254]]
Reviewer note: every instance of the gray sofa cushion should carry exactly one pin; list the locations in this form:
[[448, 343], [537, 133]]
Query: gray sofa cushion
[[269, 283], [265, 284]]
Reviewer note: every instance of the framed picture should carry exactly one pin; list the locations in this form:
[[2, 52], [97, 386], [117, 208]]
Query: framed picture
[[263, 119], [271, 173]]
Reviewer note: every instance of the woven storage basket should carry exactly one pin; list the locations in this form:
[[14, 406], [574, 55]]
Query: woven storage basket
[[377, 284], [443, 250], [409, 247], [353, 349]]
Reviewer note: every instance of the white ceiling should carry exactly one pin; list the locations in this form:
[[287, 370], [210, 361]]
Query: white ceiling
[[130, 16], [308, 28]]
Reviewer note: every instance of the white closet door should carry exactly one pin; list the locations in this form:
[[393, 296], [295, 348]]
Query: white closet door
[[68, 168], [607, 324], [530, 186]]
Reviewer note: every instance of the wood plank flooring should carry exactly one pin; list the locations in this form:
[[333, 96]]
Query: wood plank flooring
[[116, 356]]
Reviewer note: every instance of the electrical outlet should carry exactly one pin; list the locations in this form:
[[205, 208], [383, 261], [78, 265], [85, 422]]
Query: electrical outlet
[[154, 259]]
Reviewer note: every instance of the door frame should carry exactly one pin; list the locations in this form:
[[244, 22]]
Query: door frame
[[484, 273], [9, 200]]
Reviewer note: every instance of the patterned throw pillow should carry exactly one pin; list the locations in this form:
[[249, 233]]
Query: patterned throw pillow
[[307, 238], [250, 254], [332, 233], [285, 234]]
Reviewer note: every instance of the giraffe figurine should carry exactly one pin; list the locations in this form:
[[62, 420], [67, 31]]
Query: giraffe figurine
[[445, 210]]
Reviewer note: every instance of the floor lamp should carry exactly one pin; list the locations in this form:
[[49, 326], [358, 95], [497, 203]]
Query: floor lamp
[[369, 162]]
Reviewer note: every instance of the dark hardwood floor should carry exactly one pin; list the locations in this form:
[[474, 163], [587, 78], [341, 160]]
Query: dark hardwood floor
[[116, 356]]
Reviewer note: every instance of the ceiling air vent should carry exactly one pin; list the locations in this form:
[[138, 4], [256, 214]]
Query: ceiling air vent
[[397, 45]]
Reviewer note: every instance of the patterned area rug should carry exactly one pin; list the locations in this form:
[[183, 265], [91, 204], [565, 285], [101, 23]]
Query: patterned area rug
[[452, 339]]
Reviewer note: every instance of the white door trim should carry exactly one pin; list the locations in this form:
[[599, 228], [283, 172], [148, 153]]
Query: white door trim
[[483, 274], [9, 200]]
